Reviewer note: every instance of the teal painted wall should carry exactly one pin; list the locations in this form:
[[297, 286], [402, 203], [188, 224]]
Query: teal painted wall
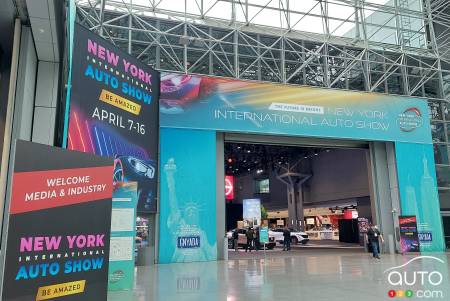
[[188, 196], [418, 191]]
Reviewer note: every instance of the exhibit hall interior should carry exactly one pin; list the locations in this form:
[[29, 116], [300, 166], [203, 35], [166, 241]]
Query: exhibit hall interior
[[322, 194], [224, 150]]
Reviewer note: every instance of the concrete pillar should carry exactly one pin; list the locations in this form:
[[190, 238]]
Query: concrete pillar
[[292, 208], [45, 104], [382, 205], [5, 181], [394, 191], [25, 87], [300, 212], [295, 204], [220, 198]]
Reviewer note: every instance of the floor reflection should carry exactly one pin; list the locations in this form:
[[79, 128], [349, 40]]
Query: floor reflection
[[288, 277]]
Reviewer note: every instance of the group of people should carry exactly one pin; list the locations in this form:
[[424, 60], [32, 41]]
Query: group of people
[[253, 243], [252, 240]]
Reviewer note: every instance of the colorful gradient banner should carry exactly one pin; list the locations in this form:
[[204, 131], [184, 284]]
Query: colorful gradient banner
[[201, 102]]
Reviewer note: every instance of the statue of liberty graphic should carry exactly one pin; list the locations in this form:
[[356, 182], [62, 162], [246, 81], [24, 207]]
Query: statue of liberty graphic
[[428, 192], [427, 206], [184, 220]]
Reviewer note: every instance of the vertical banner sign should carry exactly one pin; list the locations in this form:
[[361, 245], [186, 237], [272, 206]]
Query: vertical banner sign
[[114, 112], [188, 196], [419, 194], [59, 224], [252, 211], [123, 233], [229, 187], [409, 237]]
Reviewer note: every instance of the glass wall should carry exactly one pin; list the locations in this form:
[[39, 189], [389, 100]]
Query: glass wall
[[384, 46], [397, 22], [441, 138]]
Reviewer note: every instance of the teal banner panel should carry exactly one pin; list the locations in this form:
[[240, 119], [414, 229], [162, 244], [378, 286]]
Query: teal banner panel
[[201, 102], [188, 196], [418, 192], [123, 234]]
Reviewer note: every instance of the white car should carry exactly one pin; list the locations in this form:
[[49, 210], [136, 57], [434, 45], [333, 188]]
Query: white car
[[296, 237]]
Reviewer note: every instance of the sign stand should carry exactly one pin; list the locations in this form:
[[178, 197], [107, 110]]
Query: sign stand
[[409, 237], [123, 234], [264, 238], [60, 216]]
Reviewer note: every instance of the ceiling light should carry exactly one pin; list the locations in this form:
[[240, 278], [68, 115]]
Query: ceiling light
[[249, 151]]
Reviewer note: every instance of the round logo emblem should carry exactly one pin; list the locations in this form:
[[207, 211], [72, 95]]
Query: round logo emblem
[[410, 120]]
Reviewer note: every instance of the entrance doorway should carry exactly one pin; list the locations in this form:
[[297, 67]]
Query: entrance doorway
[[321, 191]]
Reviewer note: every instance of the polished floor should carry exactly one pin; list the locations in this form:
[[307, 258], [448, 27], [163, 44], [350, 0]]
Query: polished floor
[[299, 275]]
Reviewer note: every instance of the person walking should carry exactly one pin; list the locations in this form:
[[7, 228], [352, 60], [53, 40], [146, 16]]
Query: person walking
[[373, 237], [256, 240], [287, 239], [236, 239], [249, 234]]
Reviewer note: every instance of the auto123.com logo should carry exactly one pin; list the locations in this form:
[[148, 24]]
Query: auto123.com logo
[[410, 120], [408, 283]]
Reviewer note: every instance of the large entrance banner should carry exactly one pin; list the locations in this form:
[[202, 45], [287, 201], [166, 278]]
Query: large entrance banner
[[195, 104], [114, 112], [201, 102], [59, 225]]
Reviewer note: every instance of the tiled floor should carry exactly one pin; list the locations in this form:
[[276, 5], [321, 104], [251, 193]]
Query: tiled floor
[[300, 275]]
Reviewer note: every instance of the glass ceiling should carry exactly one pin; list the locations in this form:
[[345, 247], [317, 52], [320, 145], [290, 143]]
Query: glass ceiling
[[371, 20]]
